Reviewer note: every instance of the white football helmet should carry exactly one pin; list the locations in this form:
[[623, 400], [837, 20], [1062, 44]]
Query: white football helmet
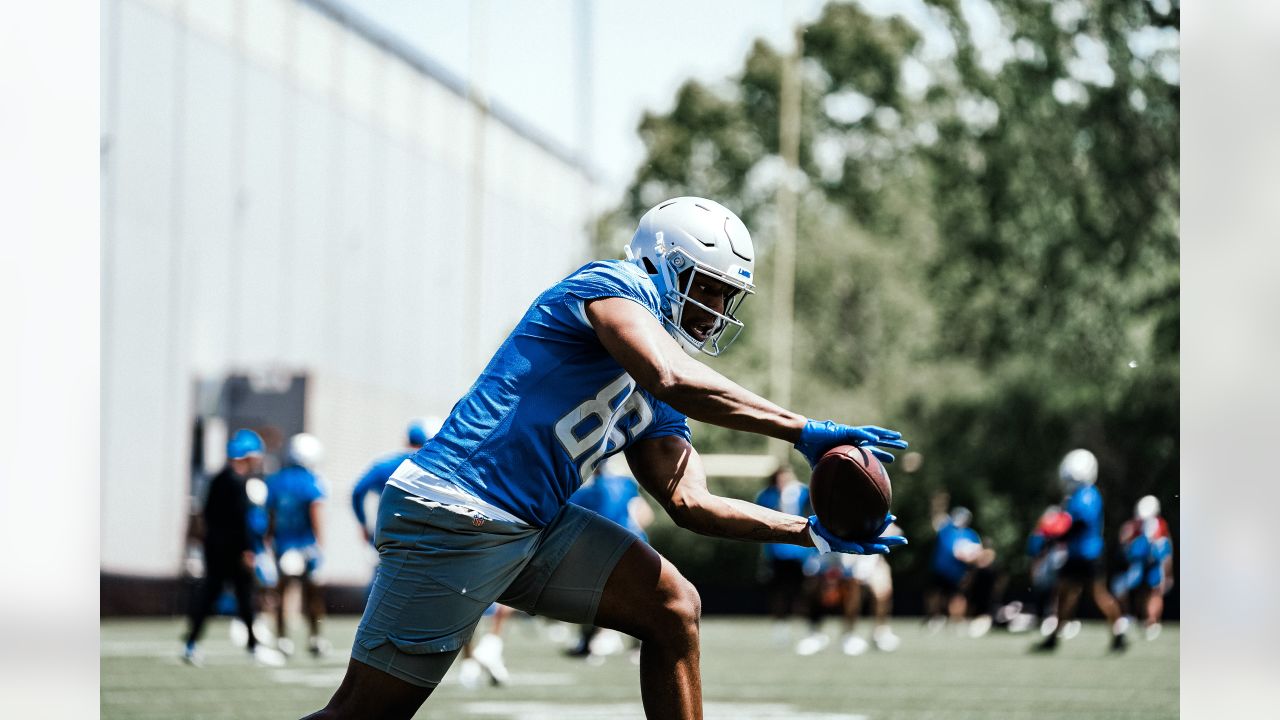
[[1147, 508], [306, 450], [687, 236], [1078, 468]]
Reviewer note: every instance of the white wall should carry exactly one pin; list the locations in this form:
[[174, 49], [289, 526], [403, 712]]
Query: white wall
[[278, 191]]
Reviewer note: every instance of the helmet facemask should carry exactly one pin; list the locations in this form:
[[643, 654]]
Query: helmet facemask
[[685, 272]]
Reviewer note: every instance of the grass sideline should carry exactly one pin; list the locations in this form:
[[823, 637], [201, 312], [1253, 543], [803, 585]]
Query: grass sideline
[[745, 677]]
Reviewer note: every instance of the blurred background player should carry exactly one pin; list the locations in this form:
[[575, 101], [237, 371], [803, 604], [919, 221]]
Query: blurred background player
[[375, 478], [835, 583], [956, 548], [228, 546], [783, 563], [484, 656], [1148, 549], [1078, 474], [617, 498], [870, 574], [295, 503], [1048, 554]]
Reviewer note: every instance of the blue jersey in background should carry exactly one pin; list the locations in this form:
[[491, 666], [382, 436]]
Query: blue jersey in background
[[1084, 539], [793, 500], [290, 493], [945, 562], [374, 479], [611, 496], [551, 405]]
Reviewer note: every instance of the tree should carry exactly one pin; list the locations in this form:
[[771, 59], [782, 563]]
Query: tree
[[988, 252]]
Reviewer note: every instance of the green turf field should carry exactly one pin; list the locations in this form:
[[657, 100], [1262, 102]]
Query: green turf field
[[744, 678]]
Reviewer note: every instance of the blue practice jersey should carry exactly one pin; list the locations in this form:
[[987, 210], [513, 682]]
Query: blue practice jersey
[[290, 493], [611, 496], [374, 479], [552, 404], [793, 501], [1084, 539], [945, 562]]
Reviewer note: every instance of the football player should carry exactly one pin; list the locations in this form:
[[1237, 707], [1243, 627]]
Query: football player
[[1077, 474], [1149, 551], [376, 476], [784, 570], [601, 363], [228, 548], [295, 504], [616, 498]]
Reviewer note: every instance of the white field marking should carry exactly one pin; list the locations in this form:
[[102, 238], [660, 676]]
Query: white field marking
[[140, 648], [521, 710], [317, 678]]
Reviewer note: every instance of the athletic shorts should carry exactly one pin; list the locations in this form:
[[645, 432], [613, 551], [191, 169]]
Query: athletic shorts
[[440, 566], [949, 585], [1081, 569]]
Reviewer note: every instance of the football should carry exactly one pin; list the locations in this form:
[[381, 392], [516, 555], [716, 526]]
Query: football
[[851, 493]]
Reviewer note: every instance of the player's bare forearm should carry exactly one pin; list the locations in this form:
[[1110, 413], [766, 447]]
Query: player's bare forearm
[[706, 395], [657, 363], [316, 514], [671, 471], [741, 520]]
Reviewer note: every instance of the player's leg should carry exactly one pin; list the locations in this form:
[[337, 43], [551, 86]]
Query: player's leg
[[242, 580], [1067, 595], [488, 648], [647, 598], [1102, 598], [202, 602], [1155, 610], [281, 595], [415, 621], [313, 603], [1117, 623], [851, 608], [367, 692], [590, 570]]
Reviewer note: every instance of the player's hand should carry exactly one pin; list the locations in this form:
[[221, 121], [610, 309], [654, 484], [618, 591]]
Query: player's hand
[[315, 558], [826, 542], [818, 437]]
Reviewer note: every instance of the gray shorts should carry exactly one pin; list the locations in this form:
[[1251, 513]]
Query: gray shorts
[[441, 566]]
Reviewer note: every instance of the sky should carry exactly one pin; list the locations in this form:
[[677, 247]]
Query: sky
[[524, 55]]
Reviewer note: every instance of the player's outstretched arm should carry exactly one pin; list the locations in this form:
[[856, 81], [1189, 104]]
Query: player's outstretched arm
[[671, 471], [644, 349], [658, 364]]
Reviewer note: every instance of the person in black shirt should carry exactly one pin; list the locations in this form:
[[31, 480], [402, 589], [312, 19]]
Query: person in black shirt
[[228, 550]]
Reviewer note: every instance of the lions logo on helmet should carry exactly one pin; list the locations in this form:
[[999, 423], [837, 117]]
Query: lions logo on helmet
[[689, 236]]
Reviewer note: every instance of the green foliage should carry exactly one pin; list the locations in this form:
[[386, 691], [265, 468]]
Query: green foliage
[[987, 245]]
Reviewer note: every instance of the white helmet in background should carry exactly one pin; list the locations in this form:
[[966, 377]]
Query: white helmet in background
[[694, 234], [1078, 468], [432, 424], [306, 450], [1147, 508]]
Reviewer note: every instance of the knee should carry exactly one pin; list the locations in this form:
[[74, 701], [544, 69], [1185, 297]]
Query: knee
[[681, 608]]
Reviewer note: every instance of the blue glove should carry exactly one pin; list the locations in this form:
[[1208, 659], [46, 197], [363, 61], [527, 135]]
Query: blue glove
[[818, 437], [827, 542]]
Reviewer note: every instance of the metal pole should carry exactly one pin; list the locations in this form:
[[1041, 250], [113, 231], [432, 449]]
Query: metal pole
[[475, 221], [784, 260], [586, 117]]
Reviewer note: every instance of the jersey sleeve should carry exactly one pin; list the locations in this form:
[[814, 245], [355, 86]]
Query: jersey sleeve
[[605, 280], [667, 421], [319, 489]]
